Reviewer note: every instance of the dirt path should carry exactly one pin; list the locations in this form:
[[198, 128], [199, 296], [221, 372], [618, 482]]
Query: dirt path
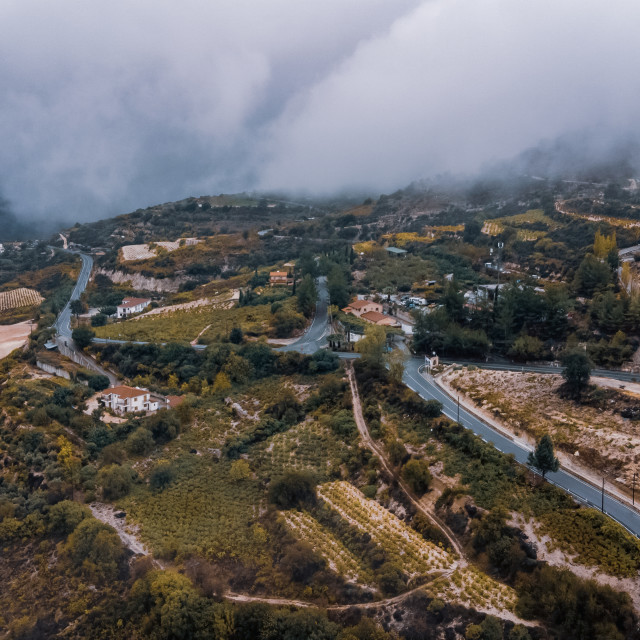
[[370, 443], [195, 340], [127, 533]]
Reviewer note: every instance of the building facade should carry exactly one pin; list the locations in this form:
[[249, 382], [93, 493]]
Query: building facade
[[132, 305], [125, 399]]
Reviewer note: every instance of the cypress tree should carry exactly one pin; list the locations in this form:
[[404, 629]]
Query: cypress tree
[[543, 457]]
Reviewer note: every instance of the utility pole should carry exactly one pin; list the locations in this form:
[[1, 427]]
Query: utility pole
[[458, 409], [633, 488], [602, 507]]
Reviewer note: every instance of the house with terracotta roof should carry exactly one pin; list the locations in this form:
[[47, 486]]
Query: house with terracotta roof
[[360, 307], [381, 319], [132, 305], [280, 278], [125, 399]]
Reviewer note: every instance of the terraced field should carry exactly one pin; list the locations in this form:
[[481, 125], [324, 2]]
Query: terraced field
[[471, 588], [402, 544], [18, 298], [308, 446], [339, 558]]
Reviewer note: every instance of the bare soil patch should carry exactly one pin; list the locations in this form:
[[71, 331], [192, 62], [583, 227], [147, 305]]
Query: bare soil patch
[[13, 336]]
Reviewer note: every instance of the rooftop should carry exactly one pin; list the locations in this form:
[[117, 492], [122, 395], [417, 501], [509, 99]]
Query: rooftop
[[126, 392], [132, 302], [358, 304], [375, 316], [395, 250], [281, 274]]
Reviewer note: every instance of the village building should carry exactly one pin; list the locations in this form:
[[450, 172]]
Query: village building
[[381, 319], [395, 251], [280, 278], [132, 305], [125, 399], [359, 307]]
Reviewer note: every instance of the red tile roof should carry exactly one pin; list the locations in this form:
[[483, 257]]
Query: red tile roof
[[359, 304], [278, 274], [375, 316], [174, 401]]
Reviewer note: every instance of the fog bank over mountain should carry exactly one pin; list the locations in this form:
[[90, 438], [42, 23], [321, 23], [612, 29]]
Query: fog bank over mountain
[[111, 106]]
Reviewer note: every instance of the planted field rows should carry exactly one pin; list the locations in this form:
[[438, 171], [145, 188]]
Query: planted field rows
[[204, 512], [403, 545], [17, 298], [339, 558], [308, 446], [474, 589]]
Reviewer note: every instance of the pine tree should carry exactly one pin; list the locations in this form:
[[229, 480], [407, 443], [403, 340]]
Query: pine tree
[[543, 457]]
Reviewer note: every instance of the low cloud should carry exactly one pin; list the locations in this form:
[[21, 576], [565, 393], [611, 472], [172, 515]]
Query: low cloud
[[110, 106]]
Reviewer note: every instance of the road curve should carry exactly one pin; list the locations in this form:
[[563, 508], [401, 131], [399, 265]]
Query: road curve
[[314, 337], [63, 322], [584, 492]]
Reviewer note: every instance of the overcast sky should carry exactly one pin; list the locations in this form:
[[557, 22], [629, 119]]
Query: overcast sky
[[107, 106]]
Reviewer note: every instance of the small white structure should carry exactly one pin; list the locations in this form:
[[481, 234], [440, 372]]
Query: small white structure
[[132, 305], [125, 399]]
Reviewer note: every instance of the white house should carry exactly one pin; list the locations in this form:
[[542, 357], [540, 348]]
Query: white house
[[125, 399], [132, 305]]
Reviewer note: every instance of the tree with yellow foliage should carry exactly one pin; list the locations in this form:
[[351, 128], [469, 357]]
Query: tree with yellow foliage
[[602, 244]]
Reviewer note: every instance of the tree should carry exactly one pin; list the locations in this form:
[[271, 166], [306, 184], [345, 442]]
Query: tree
[[417, 475], [240, 470], [372, 345], [543, 457], [99, 320], [293, 489], [65, 516], [140, 442], [83, 337], [161, 477], [395, 360], [235, 335], [307, 295], [115, 481], [591, 275], [576, 372], [76, 307], [526, 347], [94, 549], [472, 230], [338, 287]]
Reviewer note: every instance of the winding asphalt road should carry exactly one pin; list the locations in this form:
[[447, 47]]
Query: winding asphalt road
[[63, 322], [314, 337]]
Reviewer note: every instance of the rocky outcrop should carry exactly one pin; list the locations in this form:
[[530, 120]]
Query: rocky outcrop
[[143, 283]]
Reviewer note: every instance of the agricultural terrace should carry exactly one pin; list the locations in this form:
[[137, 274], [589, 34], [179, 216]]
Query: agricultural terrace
[[524, 224], [18, 298], [430, 234], [204, 512], [307, 446], [403, 545], [529, 406], [211, 323], [338, 557], [474, 589]]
